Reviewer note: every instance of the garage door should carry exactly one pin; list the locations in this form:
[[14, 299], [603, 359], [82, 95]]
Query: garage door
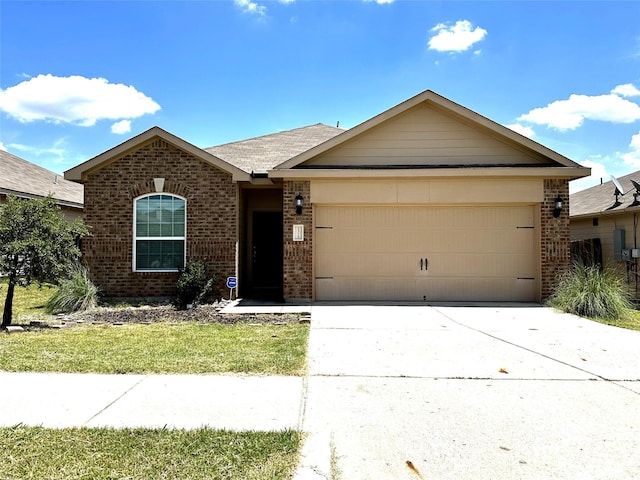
[[425, 253]]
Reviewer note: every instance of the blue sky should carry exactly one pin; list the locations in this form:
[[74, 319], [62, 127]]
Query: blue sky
[[77, 78]]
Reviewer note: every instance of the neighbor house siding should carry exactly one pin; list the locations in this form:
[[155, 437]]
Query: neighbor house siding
[[555, 242], [298, 256], [110, 192], [583, 229]]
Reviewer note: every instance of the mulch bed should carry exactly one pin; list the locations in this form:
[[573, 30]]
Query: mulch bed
[[148, 314]]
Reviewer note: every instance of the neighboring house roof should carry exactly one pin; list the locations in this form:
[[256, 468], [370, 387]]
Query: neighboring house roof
[[25, 179], [600, 200], [144, 138], [551, 158], [260, 154]]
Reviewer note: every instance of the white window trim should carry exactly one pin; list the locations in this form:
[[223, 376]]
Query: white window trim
[[135, 227]]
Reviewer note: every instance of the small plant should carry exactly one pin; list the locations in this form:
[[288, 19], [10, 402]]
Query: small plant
[[590, 292], [76, 293], [196, 286]]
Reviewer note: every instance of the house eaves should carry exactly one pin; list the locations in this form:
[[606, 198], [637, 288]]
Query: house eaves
[[77, 173], [572, 169]]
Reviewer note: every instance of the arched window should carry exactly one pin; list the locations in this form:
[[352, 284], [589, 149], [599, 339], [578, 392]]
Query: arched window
[[159, 233]]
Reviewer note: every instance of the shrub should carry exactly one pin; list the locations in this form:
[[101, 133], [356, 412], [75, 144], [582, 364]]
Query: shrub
[[196, 286], [74, 294], [590, 292]]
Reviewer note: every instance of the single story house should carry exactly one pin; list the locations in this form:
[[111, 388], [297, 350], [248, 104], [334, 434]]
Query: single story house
[[604, 225], [427, 201], [27, 180]]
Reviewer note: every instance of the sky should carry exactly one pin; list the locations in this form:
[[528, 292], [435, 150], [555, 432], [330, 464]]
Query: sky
[[80, 77]]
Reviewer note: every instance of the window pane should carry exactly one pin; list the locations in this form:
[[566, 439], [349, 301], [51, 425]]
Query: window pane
[[154, 230], [159, 254]]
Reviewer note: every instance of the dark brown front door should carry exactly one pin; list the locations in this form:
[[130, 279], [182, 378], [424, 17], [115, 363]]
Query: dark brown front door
[[266, 254]]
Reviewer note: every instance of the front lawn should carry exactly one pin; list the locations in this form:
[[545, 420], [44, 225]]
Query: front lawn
[[186, 347], [27, 302], [96, 454]]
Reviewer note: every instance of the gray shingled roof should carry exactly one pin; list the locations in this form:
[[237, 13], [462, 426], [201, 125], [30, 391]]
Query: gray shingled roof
[[25, 179], [261, 154], [600, 199]]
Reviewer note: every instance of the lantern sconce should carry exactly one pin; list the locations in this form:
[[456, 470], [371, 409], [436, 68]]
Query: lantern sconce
[[299, 202], [557, 206]]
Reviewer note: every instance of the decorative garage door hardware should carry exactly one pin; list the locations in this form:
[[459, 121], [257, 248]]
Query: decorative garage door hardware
[[424, 262]]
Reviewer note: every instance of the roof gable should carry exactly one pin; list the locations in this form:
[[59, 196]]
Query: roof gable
[[25, 179], [600, 199], [428, 131], [136, 142]]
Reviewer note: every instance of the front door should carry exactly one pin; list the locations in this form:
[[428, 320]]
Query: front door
[[266, 254]]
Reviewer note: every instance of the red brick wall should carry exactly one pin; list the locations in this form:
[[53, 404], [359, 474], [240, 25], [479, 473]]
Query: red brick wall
[[555, 241], [109, 195], [298, 256]]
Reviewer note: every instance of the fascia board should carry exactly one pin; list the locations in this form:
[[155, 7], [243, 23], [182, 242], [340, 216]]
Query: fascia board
[[569, 173]]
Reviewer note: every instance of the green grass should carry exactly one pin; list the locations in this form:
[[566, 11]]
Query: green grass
[[631, 322], [159, 348], [96, 454], [28, 302]]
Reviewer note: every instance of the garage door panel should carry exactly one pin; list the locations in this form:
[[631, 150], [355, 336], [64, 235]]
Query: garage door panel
[[367, 265], [473, 253], [354, 288], [474, 289], [480, 265]]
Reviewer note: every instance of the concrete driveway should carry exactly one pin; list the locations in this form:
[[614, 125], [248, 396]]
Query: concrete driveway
[[471, 393]]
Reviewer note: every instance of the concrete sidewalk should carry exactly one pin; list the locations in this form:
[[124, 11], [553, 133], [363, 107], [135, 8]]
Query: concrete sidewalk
[[153, 401]]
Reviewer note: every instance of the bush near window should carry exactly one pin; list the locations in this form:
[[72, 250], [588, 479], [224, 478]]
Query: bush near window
[[196, 286], [591, 292]]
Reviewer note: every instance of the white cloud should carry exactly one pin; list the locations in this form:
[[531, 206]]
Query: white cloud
[[380, 2], [123, 126], [2, 147], [626, 90], [57, 152], [456, 38], [570, 114], [598, 172], [522, 129], [632, 157], [251, 8], [75, 99]]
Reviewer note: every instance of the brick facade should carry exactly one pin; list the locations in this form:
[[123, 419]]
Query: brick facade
[[298, 256], [555, 240], [211, 201]]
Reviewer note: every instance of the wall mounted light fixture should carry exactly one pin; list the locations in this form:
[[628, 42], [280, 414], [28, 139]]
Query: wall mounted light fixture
[[299, 202], [557, 206]]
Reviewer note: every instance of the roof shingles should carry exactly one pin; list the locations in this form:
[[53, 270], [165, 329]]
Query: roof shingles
[[600, 199], [23, 178], [260, 154]]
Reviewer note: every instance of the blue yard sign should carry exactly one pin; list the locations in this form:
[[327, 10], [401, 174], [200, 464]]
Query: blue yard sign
[[232, 282]]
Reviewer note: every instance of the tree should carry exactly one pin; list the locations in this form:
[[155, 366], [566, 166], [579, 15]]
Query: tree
[[37, 243]]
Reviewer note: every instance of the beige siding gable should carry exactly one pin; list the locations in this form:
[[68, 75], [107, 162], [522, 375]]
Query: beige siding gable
[[426, 136]]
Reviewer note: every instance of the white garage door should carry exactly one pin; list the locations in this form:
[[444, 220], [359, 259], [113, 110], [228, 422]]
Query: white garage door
[[425, 253]]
